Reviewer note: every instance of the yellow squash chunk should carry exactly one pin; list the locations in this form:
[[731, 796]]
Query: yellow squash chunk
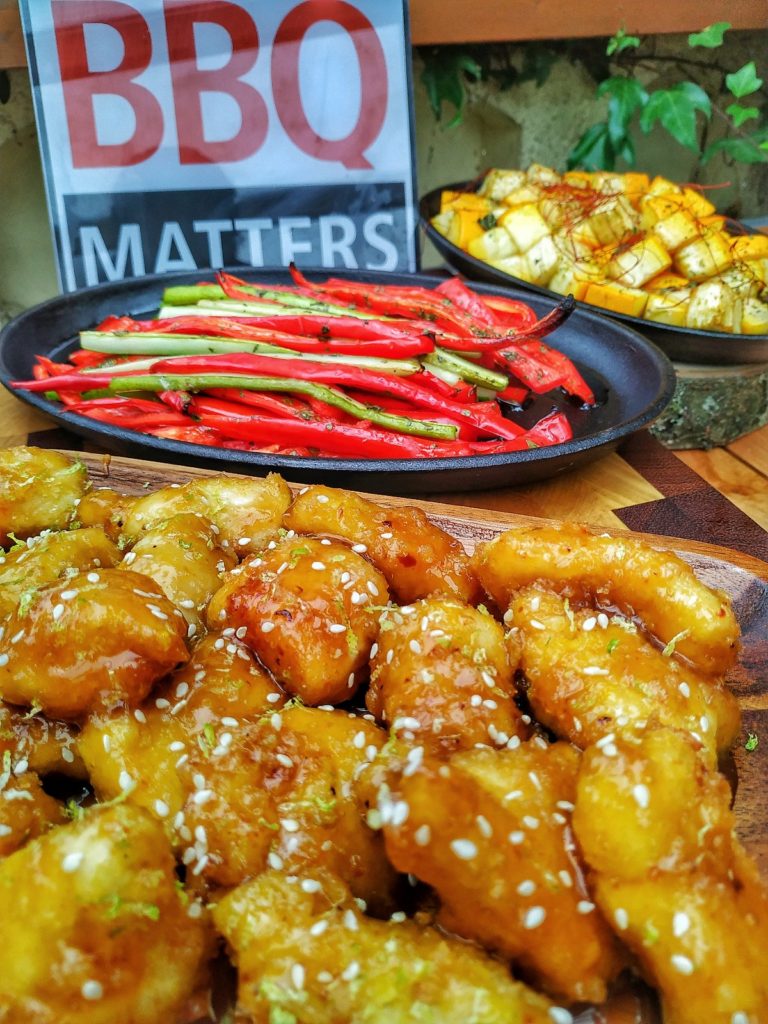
[[525, 225], [527, 193], [542, 259], [677, 230], [714, 307], [655, 208], [499, 183], [705, 257], [517, 266], [443, 222], [669, 306], [612, 220], [540, 174], [666, 280], [468, 227], [617, 298], [742, 281], [661, 186], [640, 262], [750, 247], [635, 185], [464, 201], [697, 204], [579, 179], [572, 278], [754, 319], [495, 244], [758, 269]]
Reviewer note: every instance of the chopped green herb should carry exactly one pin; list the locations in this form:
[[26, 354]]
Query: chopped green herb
[[752, 742], [612, 645], [34, 709], [185, 544], [487, 222], [279, 1015], [669, 650], [650, 934]]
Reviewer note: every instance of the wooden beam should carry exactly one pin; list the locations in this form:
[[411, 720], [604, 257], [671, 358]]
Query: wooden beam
[[454, 21]]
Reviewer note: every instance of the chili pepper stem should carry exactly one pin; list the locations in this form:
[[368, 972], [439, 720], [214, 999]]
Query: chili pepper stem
[[206, 381]]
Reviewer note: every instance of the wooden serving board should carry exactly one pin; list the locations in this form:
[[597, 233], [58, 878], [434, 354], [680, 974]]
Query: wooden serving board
[[743, 577]]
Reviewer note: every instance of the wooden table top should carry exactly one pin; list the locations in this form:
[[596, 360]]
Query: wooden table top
[[719, 497]]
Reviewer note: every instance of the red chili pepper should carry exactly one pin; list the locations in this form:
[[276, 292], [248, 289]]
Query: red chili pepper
[[178, 400], [552, 429], [193, 434], [468, 301], [466, 431], [512, 394], [134, 414], [484, 415], [510, 313], [45, 368], [572, 380], [283, 408], [535, 374], [235, 288]]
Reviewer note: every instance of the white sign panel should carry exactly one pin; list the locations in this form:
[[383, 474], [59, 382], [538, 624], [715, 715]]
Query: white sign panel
[[184, 134]]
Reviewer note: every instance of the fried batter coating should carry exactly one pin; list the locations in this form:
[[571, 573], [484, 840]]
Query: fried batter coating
[[441, 676], [47, 558], [657, 586], [95, 930], [95, 640], [182, 555], [490, 831], [106, 508], [306, 954], [417, 557], [654, 825], [197, 707], [26, 811], [307, 610], [284, 794], [44, 744], [589, 675], [247, 512], [39, 490]]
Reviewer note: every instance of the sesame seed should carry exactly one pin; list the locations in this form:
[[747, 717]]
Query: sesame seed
[[398, 917], [67, 755], [484, 825], [360, 549], [176, 746], [203, 796], [704, 723], [610, 750], [3, 660], [139, 715], [297, 976], [290, 824], [231, 723], [186, 603], [267, 627], [276, 722], [565, 878], [72, 861], [191, 630], [530, 822], [182, 760], [272, 698], [318, 928], [57, 612], [415, 646], [527, 888], [201, 865], [374, 650], [336, 627], [218, 645], [161, 703], [602, 620], [464, 849], [642, 795], [162, 809], [67, 595], [240, 632], [125, 781], [565, 805], [351, 972], [739, 1018], [399, 814], [17, 636], [390, 656], [5, 830], [585, 907], [275, 861], [559, 1015], [589, 624], [318, 566], [680, 924], [682, 964], [685, 690], [359, 740], [92, 990], [422, 835], [516, 838], [594, 670], [535, 624], [350, 921], [534, 917], [323, 499], [621, 917], [608, 738], [311, 885], [93, 577]]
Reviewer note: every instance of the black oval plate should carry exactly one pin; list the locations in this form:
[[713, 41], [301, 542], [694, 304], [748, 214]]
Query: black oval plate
[[684, 344], [632, 378]]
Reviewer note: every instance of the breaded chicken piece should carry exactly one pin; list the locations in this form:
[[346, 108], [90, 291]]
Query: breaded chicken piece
[[284, 794], [105, 508], [39, 490], [417, 557], [26, 811], [306, 954], [490, 832], [441, 677], [306, 608], [183, 556], [247, 511], [49, 557], [95, 928], [654, 825], [657, 586], [91, 642], [589, 675], [141, 751], [43, 744]]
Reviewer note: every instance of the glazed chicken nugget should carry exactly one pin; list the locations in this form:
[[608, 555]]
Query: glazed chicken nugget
[[654, 825], [183, 556], [106, 508], [49, 557], [95, 929], [442, 677], [39, 490], [284, 794], [305, 953], [96, 640], [657, 586], [589, 675], [417, 557], [43, 744], [305, 607], [26, 810], [247, 511], [140, 752], [490, 832]]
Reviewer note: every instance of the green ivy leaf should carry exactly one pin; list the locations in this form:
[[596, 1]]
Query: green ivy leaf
[[443, 78], [625, 96], [593, 151], [744, 81], [675, 109], [711, 36], [621, 41], [741, 114], [746, 151]]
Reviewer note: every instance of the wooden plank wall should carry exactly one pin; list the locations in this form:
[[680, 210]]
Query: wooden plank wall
[[455, 21]]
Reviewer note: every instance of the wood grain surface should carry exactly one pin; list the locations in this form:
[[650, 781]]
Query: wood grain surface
[[741, 575]]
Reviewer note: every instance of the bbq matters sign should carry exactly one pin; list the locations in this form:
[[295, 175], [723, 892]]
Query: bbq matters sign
[[183, 134]]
